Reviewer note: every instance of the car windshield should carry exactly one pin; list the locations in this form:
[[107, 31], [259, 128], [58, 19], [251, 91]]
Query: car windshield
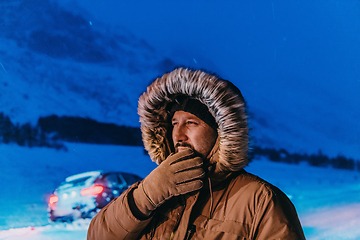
[[77, 181], [109, 180]]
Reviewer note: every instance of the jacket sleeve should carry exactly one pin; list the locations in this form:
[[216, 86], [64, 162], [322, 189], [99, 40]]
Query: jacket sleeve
[[276, 218], [116, 221]]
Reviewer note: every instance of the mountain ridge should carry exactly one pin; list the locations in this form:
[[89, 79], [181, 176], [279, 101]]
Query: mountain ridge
[[64, 61]]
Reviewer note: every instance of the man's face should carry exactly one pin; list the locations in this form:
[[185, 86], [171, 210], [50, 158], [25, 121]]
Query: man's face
[[190, 131]]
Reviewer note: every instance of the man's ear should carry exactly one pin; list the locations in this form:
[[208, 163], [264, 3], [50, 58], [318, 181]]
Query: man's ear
[[169, 141], [214, 153]]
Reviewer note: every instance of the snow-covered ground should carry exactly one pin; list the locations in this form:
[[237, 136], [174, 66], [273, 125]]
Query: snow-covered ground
[[327, 199], [60, 231]]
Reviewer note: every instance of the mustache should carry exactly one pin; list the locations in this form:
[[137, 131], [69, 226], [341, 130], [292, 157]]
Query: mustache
[[183, 144]]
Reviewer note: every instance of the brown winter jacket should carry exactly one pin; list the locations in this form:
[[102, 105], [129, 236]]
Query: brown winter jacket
[[243, 207], [240, 207]]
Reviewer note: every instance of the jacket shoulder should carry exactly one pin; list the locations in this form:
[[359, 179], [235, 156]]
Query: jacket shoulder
[[266, 207], [253, 184], [250, 196]]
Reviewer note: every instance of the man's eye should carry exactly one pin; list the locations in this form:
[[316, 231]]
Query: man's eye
[[174, 123], [191, 123]]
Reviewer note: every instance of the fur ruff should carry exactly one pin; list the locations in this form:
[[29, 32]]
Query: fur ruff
[[224, 101]]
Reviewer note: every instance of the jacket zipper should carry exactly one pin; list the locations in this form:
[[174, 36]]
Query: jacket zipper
[[190, 232]]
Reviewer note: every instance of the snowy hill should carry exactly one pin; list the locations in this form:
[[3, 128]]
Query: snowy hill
[[57, 62]]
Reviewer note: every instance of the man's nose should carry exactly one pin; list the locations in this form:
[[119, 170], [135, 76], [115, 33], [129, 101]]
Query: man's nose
[[179, 134]]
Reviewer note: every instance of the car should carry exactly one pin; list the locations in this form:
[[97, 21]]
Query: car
[[84, 194]]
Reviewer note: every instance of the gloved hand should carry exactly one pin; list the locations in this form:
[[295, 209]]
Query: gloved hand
[[179, 174]]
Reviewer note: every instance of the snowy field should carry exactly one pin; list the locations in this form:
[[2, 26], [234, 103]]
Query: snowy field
[[327, 200]]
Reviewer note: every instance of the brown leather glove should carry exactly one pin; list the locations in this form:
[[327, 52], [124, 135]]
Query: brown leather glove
[[179, 174]]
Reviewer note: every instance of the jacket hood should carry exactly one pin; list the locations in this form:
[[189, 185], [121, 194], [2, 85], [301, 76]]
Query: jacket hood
[[223, 100]]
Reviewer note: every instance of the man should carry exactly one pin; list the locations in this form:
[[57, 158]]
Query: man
[[194, 126]]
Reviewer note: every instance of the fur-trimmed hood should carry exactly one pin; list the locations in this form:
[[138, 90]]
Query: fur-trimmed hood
[[223, 100]]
